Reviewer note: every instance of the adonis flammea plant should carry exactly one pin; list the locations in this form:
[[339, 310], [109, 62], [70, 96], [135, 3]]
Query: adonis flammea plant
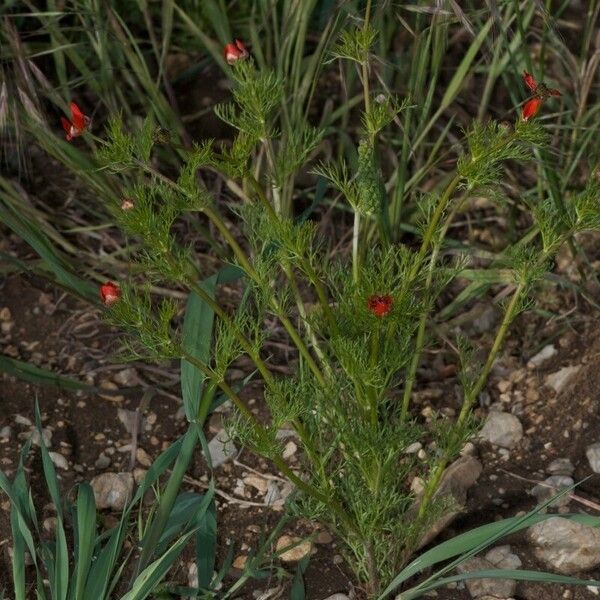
[[78, 123], [359, 325]]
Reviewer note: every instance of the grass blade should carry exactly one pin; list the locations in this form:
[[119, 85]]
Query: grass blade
[[519, 575], [145, 583], [206, 544], [85, 537]]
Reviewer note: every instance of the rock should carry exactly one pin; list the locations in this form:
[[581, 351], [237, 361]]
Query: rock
[[240, 562], [298, 552], [283, 434], [593, 455], [240, 488], [561, 466], [565, 546], [143, 457], [112, 387], [103, 461], [337, 597], [24, 421], [543, 355], [49, 524], [455, 482], [497, 588], [413, 448], [35, 436], [323, 537], [59, 460], [5, 433], [502, 557], [257, 482], [127, 377], [193, 575], [112, 490], [287, 488], [502, 429], [468, 449], [138, 475], [273, 493], [221, 449], [557, 483], [289, 450], [559, 380], [417, 486]]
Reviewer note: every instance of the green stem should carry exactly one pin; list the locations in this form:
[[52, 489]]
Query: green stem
[[471, 396], [355, 239], [372, 393], [302, 312]]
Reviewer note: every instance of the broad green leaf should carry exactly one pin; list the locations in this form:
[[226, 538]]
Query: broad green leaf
[[298, 591], [167, 498], [147, 580], [206, 545], [517, 574], [197, 339], [86, 537]]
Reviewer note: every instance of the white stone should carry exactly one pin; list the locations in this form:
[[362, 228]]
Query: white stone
[[565, 546], [112, 490], [413, 448], [593, 455], [299, 551], [59, 460], [502, 429], [497, 588], [543, 355], [221, 448], [559, 380]]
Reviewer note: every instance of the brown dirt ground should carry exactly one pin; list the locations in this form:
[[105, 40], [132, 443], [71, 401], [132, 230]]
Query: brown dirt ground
[[64, 334]]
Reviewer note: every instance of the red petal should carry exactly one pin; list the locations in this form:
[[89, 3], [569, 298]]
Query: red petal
[[531, 108], [109, 293], [66, 125], [242, 48], [77, 116], [530, 81]]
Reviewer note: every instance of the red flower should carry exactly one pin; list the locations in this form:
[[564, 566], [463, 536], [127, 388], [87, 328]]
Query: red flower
[[234, 52], [540, 91], [78, 124], [110, 293], [380, 306], [531, 107]]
